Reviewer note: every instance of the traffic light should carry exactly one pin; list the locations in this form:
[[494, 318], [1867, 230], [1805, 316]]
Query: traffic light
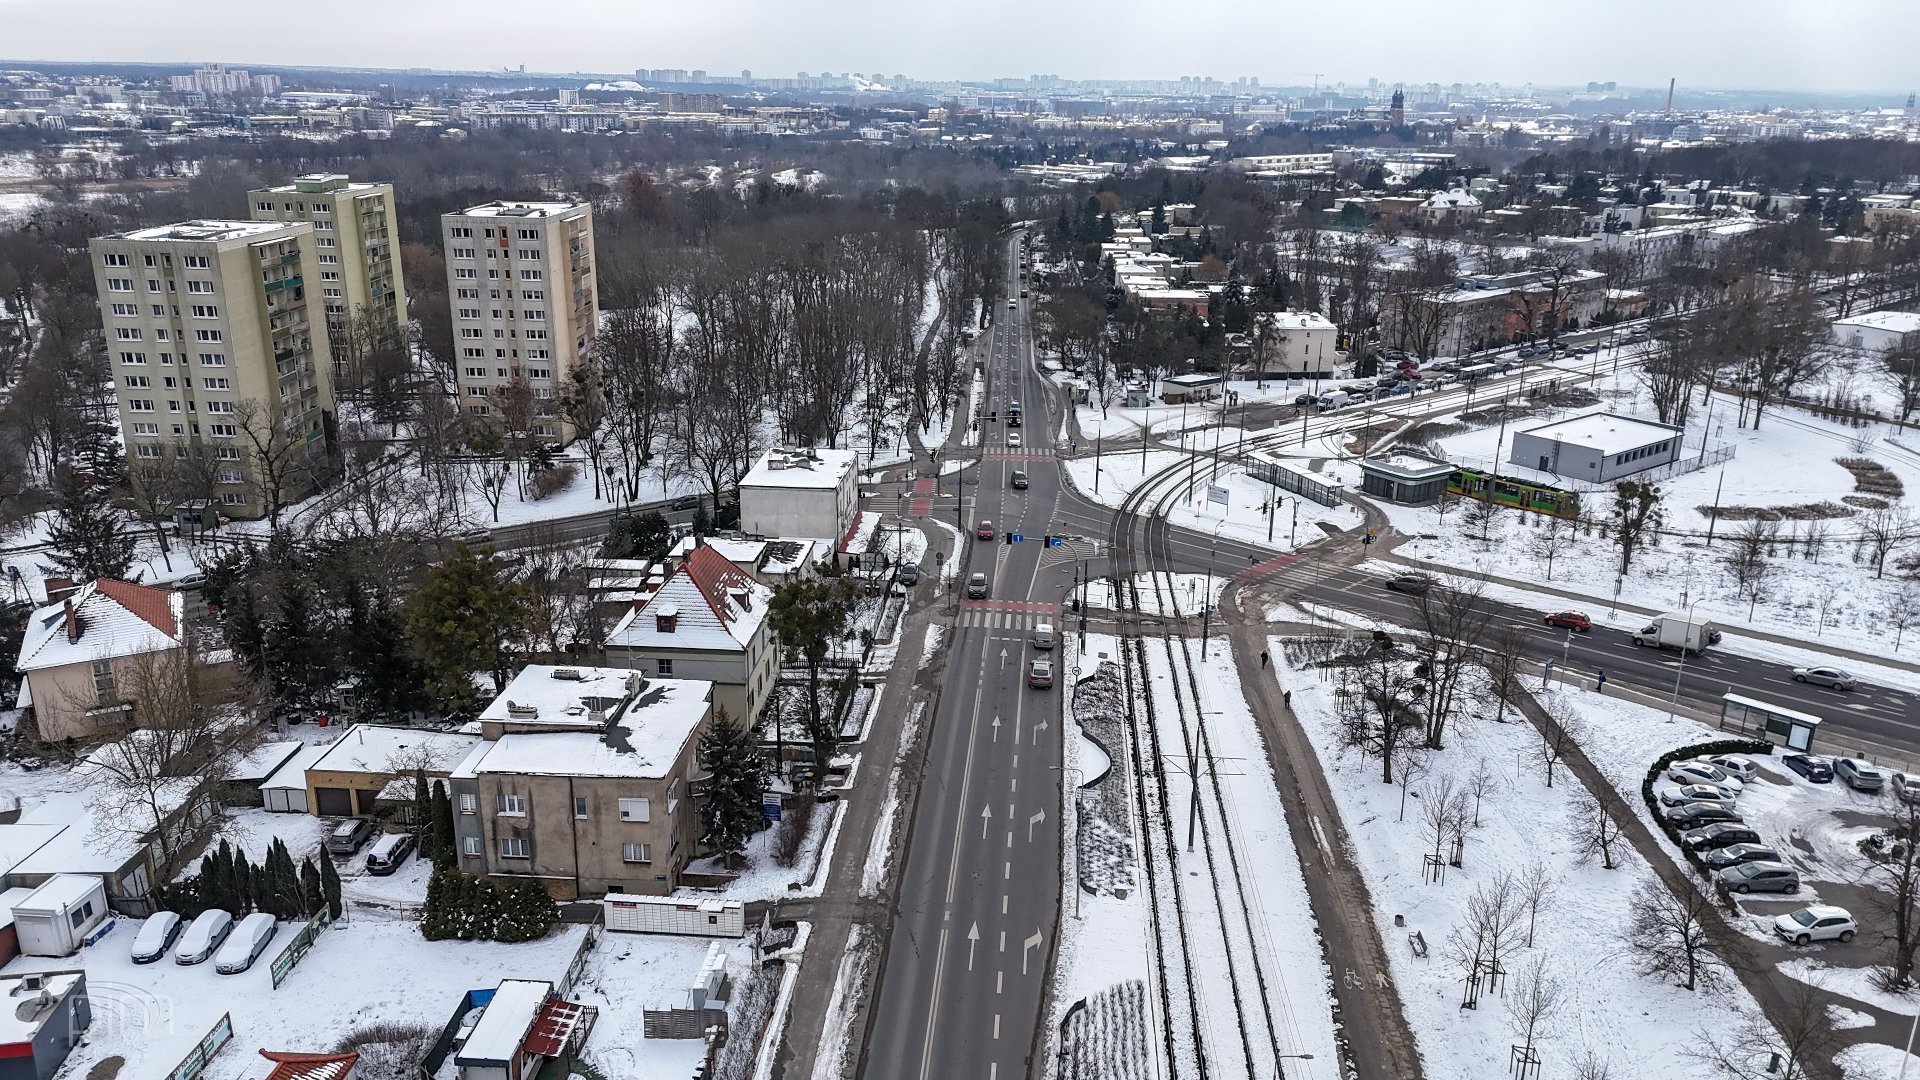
[[1009, 537]]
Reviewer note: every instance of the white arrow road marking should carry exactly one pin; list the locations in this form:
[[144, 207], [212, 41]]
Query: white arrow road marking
[[996, 727], [1027, 947], [1036, 819], [986, 816], [973, 939]]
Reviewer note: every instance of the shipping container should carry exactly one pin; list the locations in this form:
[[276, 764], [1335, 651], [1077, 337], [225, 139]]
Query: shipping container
[[666, 915]]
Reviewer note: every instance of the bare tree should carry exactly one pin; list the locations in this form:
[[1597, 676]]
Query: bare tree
[[1746, 561], [1635, 518], [1561, 736], [1386, 712], [1597, 819], [1411, 768], [1482, 782], [1671, 370], [1554, 535], [279, 462], [1504, 655], [1591, 1066], [1884, 530], [1893, 864], [1446, 810], [1481, 942], [1900, 362], [1452, 619], [1534, 1001], [1667, 932], [1792, 1044], [1538, 887]]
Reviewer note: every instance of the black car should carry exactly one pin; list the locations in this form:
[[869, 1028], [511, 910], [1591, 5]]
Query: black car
[[1694, 815], [1816, 770], [1719, 835], [1018, 480], [1306, 401], [1412, 584], [909, 574]]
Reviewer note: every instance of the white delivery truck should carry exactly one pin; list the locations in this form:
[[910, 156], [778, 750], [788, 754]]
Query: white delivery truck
[[1335, 400], [1678, 630]]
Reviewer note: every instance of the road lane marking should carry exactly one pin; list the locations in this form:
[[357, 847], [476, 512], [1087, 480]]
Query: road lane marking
[[998, 978], [1038, 817], [1006, 871], [1003, 903], [986, 818], [1009, 837], [933, 1005], [1027, 947], [996, 1025], [1003, 941], [973, 939]]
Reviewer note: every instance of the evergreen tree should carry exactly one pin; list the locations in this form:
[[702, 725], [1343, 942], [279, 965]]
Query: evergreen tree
[[810, 615], [330, 886], [312, 897], [242, 896], [437, 922], [731, 812], [422, 813], [88, 537], [374, 649], [479, 913], [527, 912], [286, 882], [466, 620], [444, 841]]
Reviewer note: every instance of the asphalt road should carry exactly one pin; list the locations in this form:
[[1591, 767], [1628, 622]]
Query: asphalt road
[[964, 980], [1878, 719]]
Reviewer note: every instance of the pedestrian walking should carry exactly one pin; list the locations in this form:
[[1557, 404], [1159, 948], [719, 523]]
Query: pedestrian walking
[[1286, 698], [1263, 658], [1600, 681]]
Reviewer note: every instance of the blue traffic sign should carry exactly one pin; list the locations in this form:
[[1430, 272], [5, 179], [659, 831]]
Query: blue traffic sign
[[1017, 538], [1054, 541]]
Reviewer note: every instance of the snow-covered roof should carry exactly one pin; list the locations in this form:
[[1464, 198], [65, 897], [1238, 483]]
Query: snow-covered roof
[[262, 761], [504, 1025], [1458, 198], [289, 1066], [546, 693], [58, 893], [1899, 322], [1609, 433], [292, 773], [113, 619], [18, 1027], [742, 553], [515, 209], [7, 900], [209, 231], [780, 468], [1299, 320], [104, 829], [714, 605], [19, 841], [377, 748], [644, 740]]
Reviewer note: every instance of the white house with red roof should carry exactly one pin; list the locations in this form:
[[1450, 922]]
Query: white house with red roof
[[707, 622], [81, 656]]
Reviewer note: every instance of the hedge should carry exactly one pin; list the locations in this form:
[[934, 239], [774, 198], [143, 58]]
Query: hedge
[[1697, 750]]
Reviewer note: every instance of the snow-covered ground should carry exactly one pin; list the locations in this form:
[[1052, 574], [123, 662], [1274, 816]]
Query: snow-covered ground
[[1299, 522], [761, 878], [629, 973], [1640, 1024], [1830, 594]]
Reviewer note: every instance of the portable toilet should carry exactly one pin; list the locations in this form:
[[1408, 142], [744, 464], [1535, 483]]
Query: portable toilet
[[55, 919]]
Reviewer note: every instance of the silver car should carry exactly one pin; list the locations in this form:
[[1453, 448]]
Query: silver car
[[977, 587], [1905, 788], [1858, 775], [1753, 877], [1831, 677]]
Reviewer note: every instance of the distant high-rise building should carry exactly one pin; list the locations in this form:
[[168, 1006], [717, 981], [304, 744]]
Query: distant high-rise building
[[218, 79], [521, 281], [218, 344], [569, 97], [356, 236], [1398, 110]]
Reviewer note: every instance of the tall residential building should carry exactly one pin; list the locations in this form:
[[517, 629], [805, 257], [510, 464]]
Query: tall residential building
[[520, 278], [218, 347], [357, 236]]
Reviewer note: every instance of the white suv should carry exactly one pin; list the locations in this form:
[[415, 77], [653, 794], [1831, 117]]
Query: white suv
[[1817, 923]]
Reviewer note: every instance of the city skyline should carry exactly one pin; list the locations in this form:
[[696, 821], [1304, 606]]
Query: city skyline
[[1502, 42]]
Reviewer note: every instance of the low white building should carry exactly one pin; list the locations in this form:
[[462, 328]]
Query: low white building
[[1299, 341], [1597, 448], [1873, 331], [801, 493]]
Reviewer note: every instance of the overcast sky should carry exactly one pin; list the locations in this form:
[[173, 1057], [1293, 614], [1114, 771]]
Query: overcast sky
[[1843, 45]]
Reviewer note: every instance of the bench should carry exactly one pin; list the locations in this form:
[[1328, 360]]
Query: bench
[[1417, 941]]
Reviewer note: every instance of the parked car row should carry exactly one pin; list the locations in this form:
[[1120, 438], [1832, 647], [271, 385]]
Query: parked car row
[[233, 946], [1855, 773]]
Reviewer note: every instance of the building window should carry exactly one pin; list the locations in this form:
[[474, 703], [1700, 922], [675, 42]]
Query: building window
[[510, 804], [146, 429], [468, 804], [530, 275], [513, 847], [216, 384], [233, 498], [126, 309], [147, 450], [206, 335], [194, 262], [220, 406], [579, 806], [223, 431], [665, 668], [471, 845], [673, 794], [226, 453], [460, 232], [139, 404], [112, 258], [205, 311], [103, 689], [137, 382], [636, 853], [464, 272], [213, 359], [133, 358], [127, 333], [636, 810], [119, 284], [200, 286]]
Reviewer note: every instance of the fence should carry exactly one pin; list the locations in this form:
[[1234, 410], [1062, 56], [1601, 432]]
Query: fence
[[196, 1061], [1690, 463], [297, 948]]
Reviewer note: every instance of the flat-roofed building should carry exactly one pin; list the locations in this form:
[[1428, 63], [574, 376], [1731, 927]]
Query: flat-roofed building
[[1598, 447], [521, 280], [356, 237], [219, 350]]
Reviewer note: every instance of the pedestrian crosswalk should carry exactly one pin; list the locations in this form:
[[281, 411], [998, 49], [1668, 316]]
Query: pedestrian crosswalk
[[1006, 614]]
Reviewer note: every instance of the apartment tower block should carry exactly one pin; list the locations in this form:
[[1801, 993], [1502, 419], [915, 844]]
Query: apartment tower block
[[218, 345], [356, 236], [520, 279]]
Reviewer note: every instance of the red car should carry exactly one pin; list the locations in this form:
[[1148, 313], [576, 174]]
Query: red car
[[1572, 620], [985, 530]]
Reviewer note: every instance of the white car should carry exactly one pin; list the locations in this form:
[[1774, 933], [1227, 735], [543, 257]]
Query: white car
[[1817, 923], [1013, 439], [1701, 772], [245, 944], [203, 936], [156, 936], [1696, 793], [1738, 766]]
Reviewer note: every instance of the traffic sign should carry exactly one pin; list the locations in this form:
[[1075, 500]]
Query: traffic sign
[[1015, 538], [1053, 541]]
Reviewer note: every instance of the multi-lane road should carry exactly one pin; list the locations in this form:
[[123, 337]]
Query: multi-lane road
[[963, 985]]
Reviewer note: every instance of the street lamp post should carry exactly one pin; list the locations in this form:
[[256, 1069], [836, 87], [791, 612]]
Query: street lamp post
[[1673, 706], [1206, 602]]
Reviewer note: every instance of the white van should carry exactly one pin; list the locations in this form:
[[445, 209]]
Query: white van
[[1336, 399], [245, 944], [202, 936], [1043, 636]]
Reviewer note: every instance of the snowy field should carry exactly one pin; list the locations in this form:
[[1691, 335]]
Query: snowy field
[[1828, 593], [1299, 522], [1640, 1024]]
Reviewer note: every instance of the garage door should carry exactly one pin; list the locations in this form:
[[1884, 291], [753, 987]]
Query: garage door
[[366, 797], [332, 802]]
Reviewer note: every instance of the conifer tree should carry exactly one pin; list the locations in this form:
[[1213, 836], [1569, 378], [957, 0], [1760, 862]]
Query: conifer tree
[[312, 897], [437, 921], [330, 886], [731, 812]]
